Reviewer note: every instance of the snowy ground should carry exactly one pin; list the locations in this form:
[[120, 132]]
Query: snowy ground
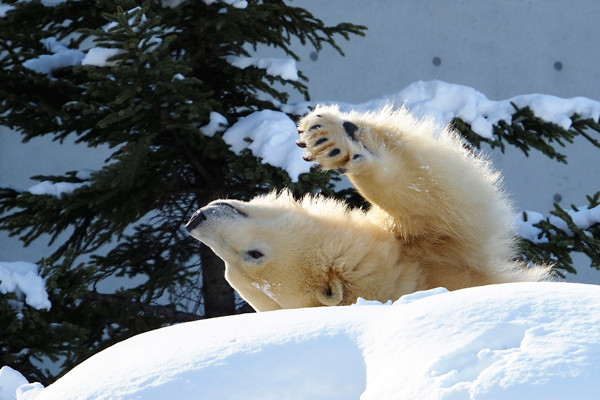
[[512, 341]]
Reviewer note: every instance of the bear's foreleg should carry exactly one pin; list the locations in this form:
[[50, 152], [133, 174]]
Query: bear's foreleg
[[428, 185]]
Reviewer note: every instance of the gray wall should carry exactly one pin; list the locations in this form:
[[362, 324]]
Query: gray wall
[[501, 48]]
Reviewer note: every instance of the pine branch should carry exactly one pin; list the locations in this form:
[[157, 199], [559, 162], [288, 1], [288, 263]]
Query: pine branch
[[147, 103], [527, 131], [565, 233]]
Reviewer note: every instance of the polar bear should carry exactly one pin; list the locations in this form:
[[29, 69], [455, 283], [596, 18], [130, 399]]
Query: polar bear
[[437, 217]]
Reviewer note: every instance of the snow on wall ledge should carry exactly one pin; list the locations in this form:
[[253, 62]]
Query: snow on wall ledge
[[512, 341], [431, 99]]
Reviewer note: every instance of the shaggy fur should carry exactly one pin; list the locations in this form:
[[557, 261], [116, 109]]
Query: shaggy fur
[[437, 218]]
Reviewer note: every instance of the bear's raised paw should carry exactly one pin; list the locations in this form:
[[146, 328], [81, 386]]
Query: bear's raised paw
[[331, 142]]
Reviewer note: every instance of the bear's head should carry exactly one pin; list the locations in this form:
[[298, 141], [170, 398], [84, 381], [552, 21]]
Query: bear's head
[[283, 253]]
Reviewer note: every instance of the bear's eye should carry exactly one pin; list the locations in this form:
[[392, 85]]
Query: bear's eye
[[254, 254]]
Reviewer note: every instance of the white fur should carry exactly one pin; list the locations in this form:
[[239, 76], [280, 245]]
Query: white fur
[[438, 218]]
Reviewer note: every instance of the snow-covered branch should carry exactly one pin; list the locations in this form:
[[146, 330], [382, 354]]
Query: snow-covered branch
[[23, 279], [441, 101], [582, 218], [553, 239]]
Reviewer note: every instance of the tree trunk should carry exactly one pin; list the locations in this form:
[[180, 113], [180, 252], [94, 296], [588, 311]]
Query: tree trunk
[[219, 298]]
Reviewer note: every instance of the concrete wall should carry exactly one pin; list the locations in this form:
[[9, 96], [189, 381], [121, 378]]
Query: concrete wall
[[501, 48]]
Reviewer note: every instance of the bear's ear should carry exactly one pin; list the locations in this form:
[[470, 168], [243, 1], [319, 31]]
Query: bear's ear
[[333, 293]]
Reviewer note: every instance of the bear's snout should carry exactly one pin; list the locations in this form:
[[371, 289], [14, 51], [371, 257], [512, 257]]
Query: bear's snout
[[216, 209], [196, 219]]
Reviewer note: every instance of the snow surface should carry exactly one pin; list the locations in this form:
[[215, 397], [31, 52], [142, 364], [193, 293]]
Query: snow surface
[[10, 380], [23, 278], [512, 341]]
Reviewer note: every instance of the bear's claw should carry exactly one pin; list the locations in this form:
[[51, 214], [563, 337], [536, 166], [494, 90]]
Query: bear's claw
[[331, 141]]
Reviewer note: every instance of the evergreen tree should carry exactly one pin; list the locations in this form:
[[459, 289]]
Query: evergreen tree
[[168, 70], [161, 68]]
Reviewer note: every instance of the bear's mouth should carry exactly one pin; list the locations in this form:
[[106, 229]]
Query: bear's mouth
[[217, 207], [225, 204]]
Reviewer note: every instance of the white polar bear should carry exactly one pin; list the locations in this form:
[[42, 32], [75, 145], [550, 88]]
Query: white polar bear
[[437, 218]]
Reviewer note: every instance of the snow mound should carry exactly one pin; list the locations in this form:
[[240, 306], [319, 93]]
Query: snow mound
[[10, 380], [512, 341]]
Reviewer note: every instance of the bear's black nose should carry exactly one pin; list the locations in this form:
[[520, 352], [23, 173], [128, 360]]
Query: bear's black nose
[[196, 219]]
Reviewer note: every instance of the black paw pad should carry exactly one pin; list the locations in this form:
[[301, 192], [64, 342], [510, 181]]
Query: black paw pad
[[321, 141], [314, 127], [350, 129], [306, 157], [334, 152], [356, 156], [300, 144]]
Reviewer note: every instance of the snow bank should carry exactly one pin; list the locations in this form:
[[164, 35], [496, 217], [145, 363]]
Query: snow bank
[[512, 341], [23, 278], [10, 380]]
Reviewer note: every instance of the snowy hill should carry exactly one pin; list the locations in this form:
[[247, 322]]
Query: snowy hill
[[512, 341]]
